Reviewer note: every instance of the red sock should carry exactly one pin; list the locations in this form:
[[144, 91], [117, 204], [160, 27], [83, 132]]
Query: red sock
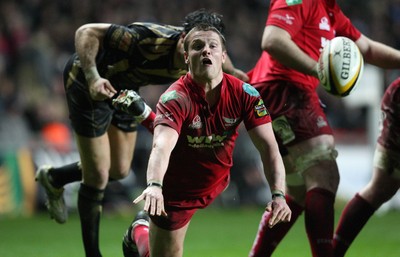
[[140, 235], [149, 122], [319, 221], [354, 216], [267, 238]]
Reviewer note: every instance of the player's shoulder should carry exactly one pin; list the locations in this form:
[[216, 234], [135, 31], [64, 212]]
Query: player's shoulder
[[239, 86], [177, 91], [394, 90], [232, 79], [279, 4], [395, 83], [160, 29]]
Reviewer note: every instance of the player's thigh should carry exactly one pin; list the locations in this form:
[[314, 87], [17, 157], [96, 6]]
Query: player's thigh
[[381, 188], [294, 180], [315, 160], [166, 243], [95, 159], [385, 179], [122, 145]]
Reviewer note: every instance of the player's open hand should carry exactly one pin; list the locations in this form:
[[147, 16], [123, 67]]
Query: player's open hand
[[154, 201], [280, 211], [101, 89]]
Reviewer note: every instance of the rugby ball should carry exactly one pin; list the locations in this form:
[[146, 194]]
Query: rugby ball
[[340, 66]]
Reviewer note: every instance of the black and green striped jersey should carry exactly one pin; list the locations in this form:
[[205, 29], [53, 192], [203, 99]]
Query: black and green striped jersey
[[136, 55]]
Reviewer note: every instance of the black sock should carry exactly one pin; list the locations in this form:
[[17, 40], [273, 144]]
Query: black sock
[[65, 174], [90, 208]]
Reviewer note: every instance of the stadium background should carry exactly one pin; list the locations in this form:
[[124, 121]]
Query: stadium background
[[36, 38]]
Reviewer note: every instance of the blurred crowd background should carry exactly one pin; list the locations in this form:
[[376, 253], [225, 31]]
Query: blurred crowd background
[[37, 37]]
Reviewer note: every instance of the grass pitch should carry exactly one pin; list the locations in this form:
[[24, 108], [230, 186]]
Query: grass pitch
[[213, 232]]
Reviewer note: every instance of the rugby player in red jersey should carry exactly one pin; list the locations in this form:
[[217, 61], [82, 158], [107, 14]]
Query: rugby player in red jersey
[[296, 31], [195, 130], [385, 181]]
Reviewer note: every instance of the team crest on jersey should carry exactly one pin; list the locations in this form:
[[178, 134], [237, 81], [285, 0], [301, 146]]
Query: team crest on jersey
[[321, 122], [196, 123], [171, 95], [293, 2], [260, 109], [249, 89], [229, 122], [324, 24]]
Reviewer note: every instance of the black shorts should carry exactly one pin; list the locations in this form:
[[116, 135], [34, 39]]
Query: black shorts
[[91, 118]]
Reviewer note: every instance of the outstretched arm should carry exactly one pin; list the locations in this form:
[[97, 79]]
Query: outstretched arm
[[264, 139], [164, 141], [378, 54]]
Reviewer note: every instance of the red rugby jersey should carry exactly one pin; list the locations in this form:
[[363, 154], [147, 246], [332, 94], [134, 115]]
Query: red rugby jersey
[[311, 24], [202, 157], [389, 135]]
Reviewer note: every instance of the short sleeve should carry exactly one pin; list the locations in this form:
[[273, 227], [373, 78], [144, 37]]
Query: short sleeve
[[255, 111], [172, 109]]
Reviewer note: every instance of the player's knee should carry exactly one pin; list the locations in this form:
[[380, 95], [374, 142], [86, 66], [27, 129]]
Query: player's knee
[[310, 159], [387, 161], [376, 196], [96, 180], [315, 157], [120, 171]]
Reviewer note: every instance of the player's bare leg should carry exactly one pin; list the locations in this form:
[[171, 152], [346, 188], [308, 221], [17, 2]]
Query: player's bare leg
[[382, 187], [108, 154], [167, 243]]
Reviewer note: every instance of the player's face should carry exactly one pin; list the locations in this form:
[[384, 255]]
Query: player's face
[[205, 55]]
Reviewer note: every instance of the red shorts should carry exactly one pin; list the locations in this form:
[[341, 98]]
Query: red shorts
[[389, 136], [180, 212], [296, 111]]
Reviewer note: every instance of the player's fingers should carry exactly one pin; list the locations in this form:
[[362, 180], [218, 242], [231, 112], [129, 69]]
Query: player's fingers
[[276, 216], [280, 215], [153, 206], [109, 94], [287, 217], [138, 199], [272, 219], [110, 88], [147, 205], [160, 207]]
